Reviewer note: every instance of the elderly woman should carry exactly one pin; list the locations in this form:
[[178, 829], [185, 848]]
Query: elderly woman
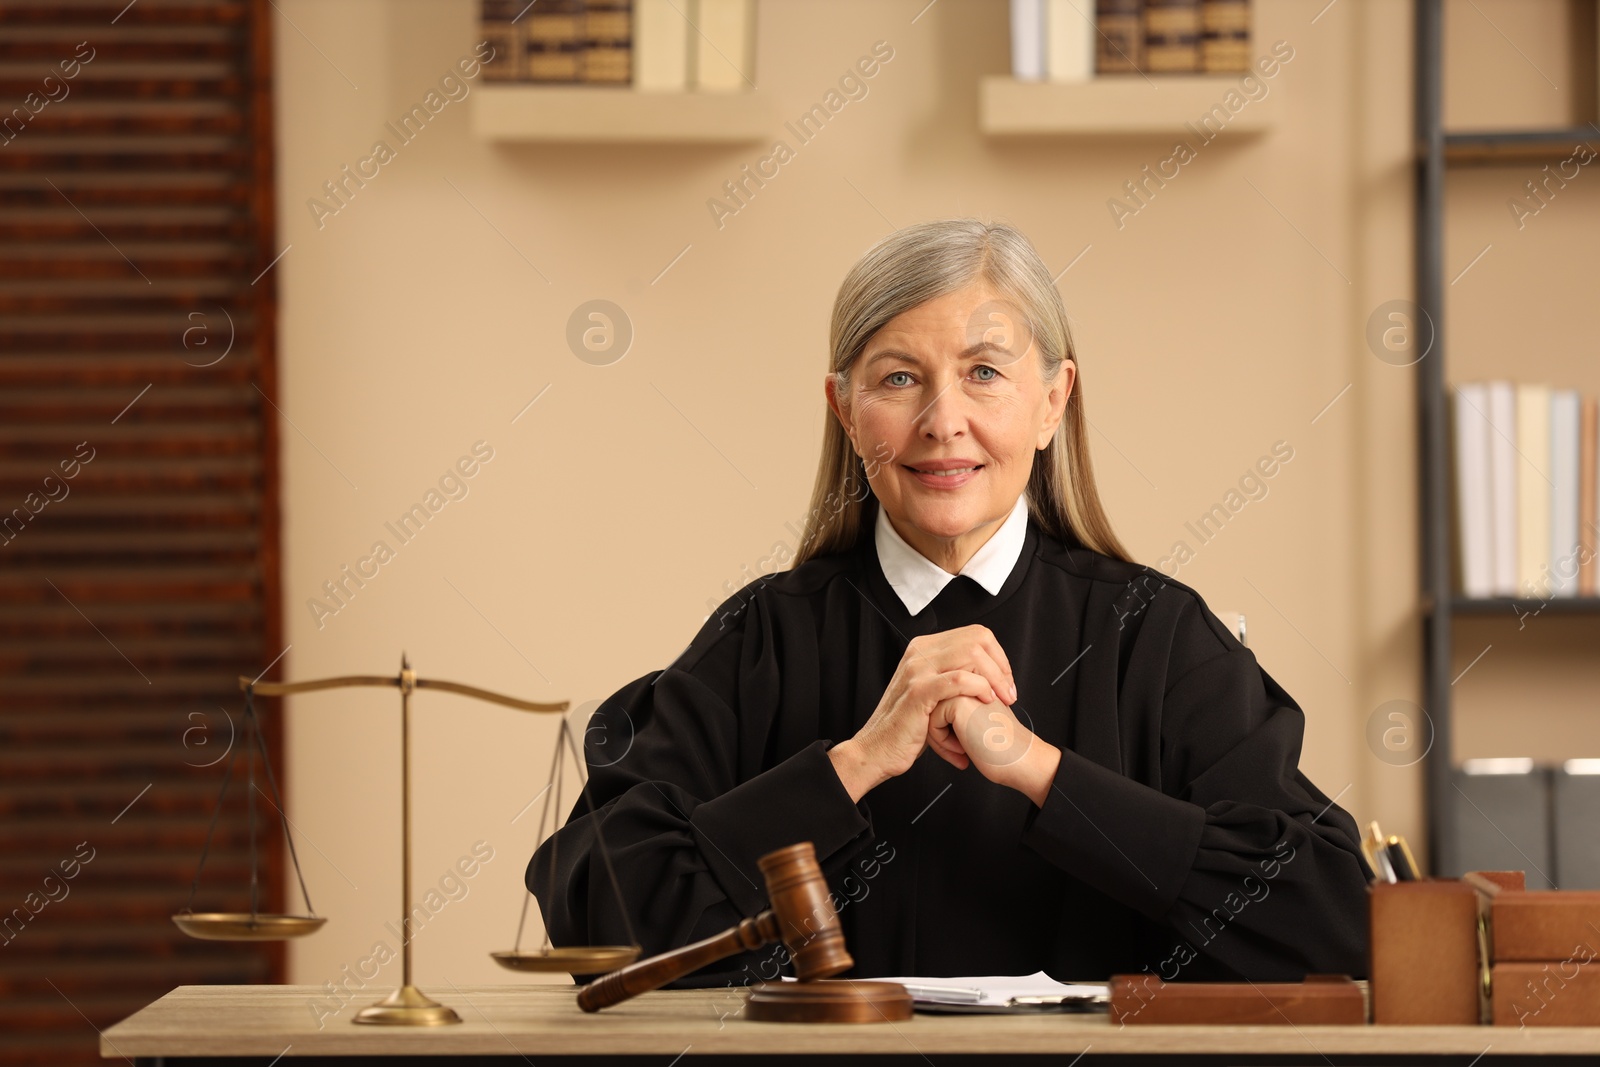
[[1013, 748]]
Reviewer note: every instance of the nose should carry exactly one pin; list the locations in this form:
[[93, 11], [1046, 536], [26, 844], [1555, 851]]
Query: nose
[[944, 417]]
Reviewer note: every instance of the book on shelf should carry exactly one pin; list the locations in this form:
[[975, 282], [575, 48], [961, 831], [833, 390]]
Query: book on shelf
[[1225, 36], [497, 25], [1027, 40], [607, 42], [1588, 496], [1533, 483], [722, 53], [1119, 29], [1503, 486], [1526, 490], [1564, 444], [1069, 40], [561, 42], [661, 45], [552, 41], [1053, 40], [1474, 506], [1171, 36]]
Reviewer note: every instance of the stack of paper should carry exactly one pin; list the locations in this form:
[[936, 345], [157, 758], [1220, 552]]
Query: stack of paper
[[1002, 991]]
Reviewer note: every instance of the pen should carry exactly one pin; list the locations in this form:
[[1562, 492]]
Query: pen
[[1389, 857], [947, 994], [1398, 853]]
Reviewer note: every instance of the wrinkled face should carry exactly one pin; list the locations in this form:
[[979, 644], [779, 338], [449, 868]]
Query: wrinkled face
[[951, 393]]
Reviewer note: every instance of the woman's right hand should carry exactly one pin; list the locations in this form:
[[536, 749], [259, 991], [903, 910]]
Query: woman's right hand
[[967, 661]]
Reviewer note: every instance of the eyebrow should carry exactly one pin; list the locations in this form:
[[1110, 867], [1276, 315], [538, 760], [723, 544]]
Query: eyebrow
[[906, 357]]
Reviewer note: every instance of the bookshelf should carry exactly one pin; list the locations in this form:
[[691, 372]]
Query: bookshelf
[[620, 72], [619, 115], [1436, 151], [1122, 105]]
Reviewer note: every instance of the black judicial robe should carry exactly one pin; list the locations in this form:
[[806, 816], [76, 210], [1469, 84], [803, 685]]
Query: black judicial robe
[[1179, 839]]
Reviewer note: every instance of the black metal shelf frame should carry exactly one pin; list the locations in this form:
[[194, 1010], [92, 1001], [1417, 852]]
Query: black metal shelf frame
[[1435, 151]]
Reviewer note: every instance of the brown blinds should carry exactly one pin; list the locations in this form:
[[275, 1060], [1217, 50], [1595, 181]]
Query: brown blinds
[[138, 497]]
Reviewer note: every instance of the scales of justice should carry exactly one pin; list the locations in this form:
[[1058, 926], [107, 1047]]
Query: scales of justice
[[408, 1005]]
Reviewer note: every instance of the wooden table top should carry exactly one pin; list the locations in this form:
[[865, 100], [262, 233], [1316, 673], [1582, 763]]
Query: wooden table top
[[545, 1019]]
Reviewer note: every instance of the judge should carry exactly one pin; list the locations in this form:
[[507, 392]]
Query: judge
[[1013, 747]]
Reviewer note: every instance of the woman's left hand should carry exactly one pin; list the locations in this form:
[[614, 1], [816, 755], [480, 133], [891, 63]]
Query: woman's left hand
[[964, 730]]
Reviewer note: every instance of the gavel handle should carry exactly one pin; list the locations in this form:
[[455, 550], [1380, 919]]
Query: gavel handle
[[657, 971]]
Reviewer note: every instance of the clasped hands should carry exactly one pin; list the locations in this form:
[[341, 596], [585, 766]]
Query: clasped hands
[[952, 692]]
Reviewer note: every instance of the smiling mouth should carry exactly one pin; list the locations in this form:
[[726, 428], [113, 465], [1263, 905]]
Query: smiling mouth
[[951, 473]]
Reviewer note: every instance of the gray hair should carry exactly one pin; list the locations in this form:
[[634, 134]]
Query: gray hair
[[905, 270]]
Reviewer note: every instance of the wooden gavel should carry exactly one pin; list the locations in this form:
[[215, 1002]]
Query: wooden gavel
[[801, 916]]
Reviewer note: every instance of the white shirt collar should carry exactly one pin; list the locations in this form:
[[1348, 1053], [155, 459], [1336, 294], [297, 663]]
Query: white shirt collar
[[917, 579]]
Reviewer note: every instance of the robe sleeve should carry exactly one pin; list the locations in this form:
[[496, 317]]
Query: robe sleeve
[[1247, 864], [691, 802]]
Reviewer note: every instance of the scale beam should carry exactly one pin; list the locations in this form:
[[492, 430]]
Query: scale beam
[[407, 1006], [399, 681]]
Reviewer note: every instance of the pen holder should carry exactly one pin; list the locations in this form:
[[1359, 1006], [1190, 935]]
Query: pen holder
[[1426, 966]]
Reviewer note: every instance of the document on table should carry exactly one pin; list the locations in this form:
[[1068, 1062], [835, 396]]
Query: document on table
[[1003, 993]]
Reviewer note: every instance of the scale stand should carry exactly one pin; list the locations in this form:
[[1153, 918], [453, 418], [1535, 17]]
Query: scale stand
[[408, 1005], [571, 959]]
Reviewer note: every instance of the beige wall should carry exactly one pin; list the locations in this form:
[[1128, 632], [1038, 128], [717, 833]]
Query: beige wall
[[1222, 318]]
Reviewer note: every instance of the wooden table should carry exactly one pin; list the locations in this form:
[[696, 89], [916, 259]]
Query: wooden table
[[542, 1025]]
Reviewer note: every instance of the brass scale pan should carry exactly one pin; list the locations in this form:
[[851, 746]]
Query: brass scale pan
[[258, 926]]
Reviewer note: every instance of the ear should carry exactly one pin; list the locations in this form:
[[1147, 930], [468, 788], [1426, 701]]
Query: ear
[[828, 384], [1056, 402]]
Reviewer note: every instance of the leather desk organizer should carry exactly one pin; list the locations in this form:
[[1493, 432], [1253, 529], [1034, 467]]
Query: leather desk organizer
[[1483, 949], [1445, 952], [1543, 948], [1320, 1000]]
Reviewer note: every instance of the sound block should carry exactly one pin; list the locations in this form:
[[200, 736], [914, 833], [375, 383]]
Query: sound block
[[828, 1001]]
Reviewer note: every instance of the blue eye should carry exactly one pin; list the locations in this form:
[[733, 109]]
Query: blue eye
[[897, 374], [985, 366]]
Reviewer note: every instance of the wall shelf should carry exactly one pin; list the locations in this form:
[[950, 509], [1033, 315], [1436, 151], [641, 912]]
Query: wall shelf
[[1120, 105], [1494, 147], [619, 115], [1515, 607]]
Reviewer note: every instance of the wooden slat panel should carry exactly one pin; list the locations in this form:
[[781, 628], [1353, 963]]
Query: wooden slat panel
[[44, 158], [150, 266], [53, 122], [122, 89], [154, 196], [130, 605], [35, 226], [57, 13], [52, 49]]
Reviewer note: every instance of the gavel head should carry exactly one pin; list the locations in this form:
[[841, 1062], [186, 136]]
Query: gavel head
[[803, 910]]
